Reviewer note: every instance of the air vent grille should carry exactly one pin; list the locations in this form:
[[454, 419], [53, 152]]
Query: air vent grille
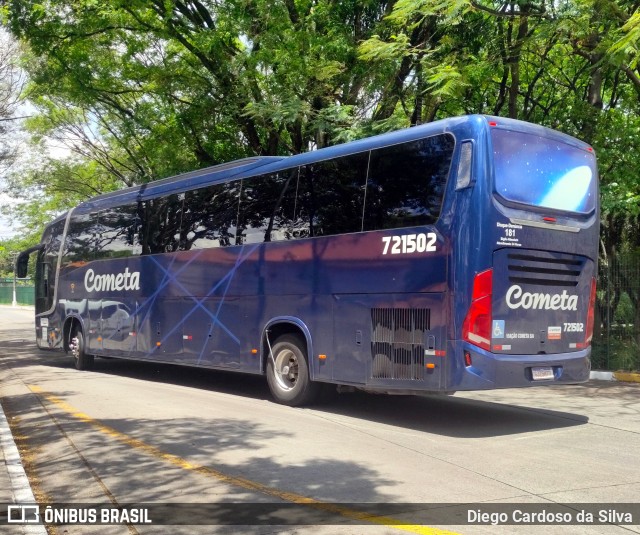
[[398, 342], [539, 269]]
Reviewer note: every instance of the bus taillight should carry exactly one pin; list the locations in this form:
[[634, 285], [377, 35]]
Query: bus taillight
[[591, 313], [477, 325]]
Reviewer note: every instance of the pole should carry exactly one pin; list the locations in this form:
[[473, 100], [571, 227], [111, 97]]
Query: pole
[[14, 256]]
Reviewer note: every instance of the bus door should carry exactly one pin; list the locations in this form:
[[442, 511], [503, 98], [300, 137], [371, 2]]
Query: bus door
[[45, 277], [49, 334], [45, 284]]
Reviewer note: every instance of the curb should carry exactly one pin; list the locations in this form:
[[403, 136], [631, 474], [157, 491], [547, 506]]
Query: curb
[[20, 488], [627, 377], [624, 377], [601, 376]]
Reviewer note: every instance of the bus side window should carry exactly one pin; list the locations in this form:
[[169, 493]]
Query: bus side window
[[331, 194], [267, 208], [114, 236], [406, 183], [162, 221], [463, 179], [210, 216], [80, 242]]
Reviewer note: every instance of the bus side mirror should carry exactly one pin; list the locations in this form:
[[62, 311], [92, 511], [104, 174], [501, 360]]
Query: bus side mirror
[[22, 262]]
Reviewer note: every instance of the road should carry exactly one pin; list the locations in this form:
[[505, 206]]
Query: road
[[131, 432]]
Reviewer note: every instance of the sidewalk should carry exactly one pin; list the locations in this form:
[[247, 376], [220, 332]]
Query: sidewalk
[[14, 485]]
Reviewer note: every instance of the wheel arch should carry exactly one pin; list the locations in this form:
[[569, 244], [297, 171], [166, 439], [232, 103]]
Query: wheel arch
[[280, 326]]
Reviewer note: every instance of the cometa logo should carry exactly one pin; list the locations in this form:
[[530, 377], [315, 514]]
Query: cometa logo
[[110, 282], [516, 298]]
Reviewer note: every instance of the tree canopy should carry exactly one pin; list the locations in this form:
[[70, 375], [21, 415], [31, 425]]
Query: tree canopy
[[139, 90], [11, 81]]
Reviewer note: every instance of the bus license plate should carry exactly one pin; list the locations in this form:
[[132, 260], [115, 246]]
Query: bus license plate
[[542, 373]]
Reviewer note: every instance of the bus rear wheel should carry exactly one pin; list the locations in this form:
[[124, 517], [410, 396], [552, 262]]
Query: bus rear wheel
[[83, 361], [288, 372]]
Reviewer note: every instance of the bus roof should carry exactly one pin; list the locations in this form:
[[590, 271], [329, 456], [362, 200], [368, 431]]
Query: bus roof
[[468, 125]]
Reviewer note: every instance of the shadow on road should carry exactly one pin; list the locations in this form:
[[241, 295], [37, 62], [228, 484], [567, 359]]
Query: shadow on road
[[451, 416]]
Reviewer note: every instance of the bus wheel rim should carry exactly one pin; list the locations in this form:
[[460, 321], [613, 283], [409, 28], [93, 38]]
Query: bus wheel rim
[[286, 368]]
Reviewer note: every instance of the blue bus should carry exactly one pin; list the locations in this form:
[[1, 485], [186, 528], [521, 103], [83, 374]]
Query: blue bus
[[455, 255]]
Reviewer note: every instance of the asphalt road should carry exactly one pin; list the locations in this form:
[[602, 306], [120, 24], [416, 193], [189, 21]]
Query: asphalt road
[[131, 432]]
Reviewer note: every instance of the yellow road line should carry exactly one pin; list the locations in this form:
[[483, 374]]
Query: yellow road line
[[241, 482]]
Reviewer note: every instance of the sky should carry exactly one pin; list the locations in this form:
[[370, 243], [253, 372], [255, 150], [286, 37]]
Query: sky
[[7, 230], [13, 137], [9, 227]]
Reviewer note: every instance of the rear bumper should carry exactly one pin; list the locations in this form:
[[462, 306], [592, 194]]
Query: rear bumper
[[490, 370]]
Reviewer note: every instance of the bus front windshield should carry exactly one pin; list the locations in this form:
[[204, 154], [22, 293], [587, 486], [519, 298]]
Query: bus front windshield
[[543, 172]]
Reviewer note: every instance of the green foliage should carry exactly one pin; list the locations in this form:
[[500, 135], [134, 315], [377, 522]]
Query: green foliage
[[8, 249], [138, 90]]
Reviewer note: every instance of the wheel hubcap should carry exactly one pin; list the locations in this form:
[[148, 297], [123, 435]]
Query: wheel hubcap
[[286, 367]]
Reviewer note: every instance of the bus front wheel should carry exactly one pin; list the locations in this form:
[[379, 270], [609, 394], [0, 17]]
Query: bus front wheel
[[288, 372], [83, 361]]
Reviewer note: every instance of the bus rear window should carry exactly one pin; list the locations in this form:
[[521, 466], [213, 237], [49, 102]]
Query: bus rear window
[[543, 172]]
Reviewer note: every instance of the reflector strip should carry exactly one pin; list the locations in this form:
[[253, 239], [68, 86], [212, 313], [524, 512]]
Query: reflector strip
[[476, 338]]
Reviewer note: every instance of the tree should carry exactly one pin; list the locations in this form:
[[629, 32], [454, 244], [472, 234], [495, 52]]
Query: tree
[[11, 82], [182, 84]]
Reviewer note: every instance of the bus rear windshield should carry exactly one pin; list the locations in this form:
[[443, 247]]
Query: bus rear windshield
[[543, 172]]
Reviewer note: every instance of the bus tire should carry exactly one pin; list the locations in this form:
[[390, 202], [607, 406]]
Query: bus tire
[[83, 361], [288, 372]]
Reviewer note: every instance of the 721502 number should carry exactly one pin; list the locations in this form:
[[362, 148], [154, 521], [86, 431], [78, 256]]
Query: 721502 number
[[409, 243]]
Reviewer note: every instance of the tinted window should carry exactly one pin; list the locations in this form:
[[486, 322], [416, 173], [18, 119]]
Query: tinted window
[[52, 239], [268, 211], [406, 183], [162, 218], [118, 232], [543, 172], [81, 237], [331, 195], [210, 216]]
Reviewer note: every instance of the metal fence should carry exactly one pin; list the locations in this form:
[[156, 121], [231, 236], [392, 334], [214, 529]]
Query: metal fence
[[616, 341], [25, 293]]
